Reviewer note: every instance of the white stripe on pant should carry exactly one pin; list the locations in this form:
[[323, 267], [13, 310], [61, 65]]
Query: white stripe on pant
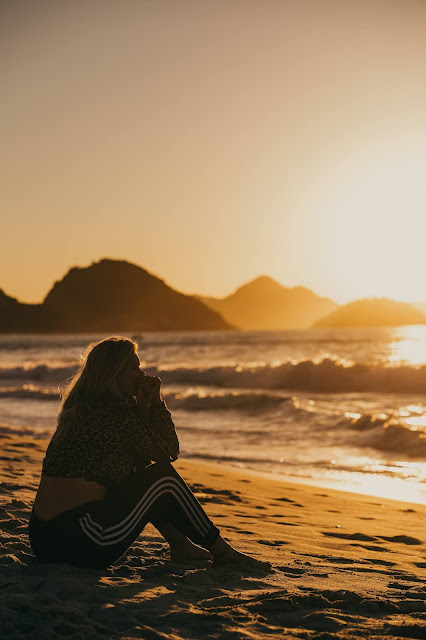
[[192, 503], [167, 484]]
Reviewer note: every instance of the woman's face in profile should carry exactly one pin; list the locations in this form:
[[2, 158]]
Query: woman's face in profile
[[130, 376]]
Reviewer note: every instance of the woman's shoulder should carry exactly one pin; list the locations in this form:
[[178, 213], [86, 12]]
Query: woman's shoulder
[[109, 409], [113, 407]]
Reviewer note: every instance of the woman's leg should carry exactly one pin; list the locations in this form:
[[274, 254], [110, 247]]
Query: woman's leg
[[183, 517], [222, 552], [97, 534]]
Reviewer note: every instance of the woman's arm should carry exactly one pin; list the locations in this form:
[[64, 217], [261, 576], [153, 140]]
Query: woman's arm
[[157, 417], [162, 430], [129, 429]]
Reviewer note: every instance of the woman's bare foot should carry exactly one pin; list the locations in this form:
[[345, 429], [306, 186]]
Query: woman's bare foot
[[181, 548], [232, 556], [225, 554], [187, 551]]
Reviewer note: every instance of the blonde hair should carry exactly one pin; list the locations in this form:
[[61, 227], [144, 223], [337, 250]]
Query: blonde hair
[[95, 384]]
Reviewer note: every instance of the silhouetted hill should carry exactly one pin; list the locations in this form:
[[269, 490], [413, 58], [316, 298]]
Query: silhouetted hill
[[372, 312], [263, 303], [109, 295], [17, 316]]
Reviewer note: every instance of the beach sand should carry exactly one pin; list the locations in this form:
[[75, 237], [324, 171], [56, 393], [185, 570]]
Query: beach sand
[[343, 566]]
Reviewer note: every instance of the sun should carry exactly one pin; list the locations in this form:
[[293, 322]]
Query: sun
[[377, 231]]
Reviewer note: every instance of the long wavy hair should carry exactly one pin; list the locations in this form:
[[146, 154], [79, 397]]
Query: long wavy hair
[[95, 384]]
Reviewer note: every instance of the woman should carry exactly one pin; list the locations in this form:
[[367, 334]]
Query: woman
[[99, 487]]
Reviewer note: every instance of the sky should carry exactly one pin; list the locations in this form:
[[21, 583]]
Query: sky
[[214, 141]]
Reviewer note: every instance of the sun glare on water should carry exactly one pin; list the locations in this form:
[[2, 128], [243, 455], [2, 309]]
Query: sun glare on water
[[408, 346]]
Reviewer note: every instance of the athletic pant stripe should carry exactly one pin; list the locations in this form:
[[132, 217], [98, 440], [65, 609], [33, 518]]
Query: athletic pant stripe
[[186, 495], [142, 508], [197, 506], [160, 491], [144, 504]]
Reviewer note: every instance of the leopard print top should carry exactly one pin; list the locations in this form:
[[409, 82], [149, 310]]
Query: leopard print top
[[113, 441]]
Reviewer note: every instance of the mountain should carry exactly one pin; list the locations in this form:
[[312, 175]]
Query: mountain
[[372, 312], [17, 316], [263, 303], [109, 295]]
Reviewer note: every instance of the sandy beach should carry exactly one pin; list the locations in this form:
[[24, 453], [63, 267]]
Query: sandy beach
[[343, 566]]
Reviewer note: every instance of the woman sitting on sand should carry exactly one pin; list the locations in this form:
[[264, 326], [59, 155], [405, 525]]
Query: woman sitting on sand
[[98, 487]]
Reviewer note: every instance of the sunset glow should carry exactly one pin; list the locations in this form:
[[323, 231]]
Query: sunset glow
[[376, 235], [157, 133]]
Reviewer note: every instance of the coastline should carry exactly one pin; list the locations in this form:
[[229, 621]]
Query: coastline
[[344, 565], [393, 490]]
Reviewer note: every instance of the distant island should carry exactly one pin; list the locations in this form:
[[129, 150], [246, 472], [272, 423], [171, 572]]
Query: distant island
[[264, 303], [109, 295], [118, 296], [372, 312]]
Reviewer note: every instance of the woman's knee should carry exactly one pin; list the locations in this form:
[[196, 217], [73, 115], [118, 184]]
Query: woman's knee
[[160, 469]]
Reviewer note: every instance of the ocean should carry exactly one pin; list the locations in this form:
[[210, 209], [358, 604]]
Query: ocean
[[339, 408]]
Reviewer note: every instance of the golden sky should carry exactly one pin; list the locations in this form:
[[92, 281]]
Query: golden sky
[[213, 141]]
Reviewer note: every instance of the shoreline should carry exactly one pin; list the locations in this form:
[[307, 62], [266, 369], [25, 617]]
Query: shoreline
[[319, 483], [343, 565]]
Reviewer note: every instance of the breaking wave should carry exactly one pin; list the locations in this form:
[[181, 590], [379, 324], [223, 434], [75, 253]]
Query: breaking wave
[[389, 435], [40, 372], [325, 376], [225, 401], [187, 402], [396, 438], [28, 392]]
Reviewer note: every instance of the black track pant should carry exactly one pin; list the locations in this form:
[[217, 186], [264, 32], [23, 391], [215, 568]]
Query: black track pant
[[97, 533]]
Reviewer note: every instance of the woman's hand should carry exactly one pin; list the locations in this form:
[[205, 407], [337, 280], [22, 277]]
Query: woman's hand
[[148, 391]]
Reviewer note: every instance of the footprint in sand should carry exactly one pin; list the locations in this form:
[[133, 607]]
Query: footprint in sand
[[340, 560], [350, 536], [332, 559], [406, 577], [385, 563], [219, 496], [399, 586], [401, 539], [292, 502], [291, 572], [320, 621], [371, 547]]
